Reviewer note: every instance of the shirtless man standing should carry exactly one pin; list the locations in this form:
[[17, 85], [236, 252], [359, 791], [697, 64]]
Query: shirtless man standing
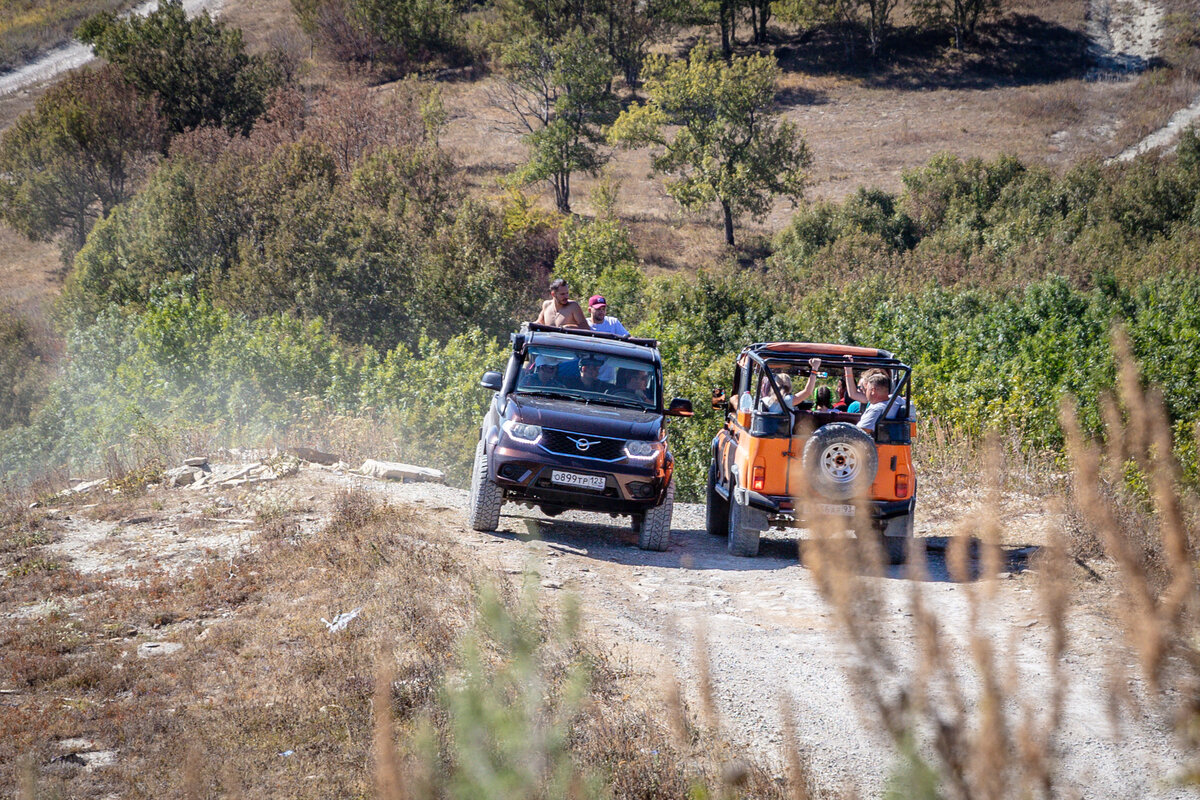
[[560, 311]]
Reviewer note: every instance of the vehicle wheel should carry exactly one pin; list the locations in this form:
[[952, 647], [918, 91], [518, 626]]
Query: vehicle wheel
[[655, 533], [745, 523], [486, 497], [896, 535], [716, 508], [840, 461]]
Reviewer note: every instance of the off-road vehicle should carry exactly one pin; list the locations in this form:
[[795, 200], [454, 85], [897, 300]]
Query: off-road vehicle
[[778, 464], [578, 422]]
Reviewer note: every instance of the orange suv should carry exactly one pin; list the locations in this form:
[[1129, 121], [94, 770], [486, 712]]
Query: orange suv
[[775, 463]]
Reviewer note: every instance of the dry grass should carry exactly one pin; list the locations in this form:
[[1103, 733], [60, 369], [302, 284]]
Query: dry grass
[[29, 28], [1154, 549], [263, 694], [959, 734], [981, 732]]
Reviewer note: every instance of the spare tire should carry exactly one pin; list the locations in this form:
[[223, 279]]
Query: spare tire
[[840, 461]]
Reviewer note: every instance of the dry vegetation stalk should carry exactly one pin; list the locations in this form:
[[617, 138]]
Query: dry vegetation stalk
[[959, 731], [1155, 552]]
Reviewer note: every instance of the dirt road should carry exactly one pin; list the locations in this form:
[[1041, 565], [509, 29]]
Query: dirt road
[[770, 633]]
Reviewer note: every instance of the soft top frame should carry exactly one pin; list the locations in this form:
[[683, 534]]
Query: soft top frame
[[860, 358], [536, 327]]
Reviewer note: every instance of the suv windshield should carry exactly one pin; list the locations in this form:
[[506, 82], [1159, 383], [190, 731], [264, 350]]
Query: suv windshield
[[594, 377]]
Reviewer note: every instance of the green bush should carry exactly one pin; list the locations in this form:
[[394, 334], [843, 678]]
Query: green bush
[[22, 372], [382, 254], [197, 68]]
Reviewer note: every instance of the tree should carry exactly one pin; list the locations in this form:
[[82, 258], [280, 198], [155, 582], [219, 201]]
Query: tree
[[961, 15], [558, 97], [629, 26], [849, 15], [197, 67], [730, 147], [78, 154], [400, 35]]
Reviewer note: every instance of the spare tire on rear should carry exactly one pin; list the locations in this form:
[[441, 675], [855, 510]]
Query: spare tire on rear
[[840, 461]]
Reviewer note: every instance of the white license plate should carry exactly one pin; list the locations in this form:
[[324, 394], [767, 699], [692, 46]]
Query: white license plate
[[830, 509], [595, 482]]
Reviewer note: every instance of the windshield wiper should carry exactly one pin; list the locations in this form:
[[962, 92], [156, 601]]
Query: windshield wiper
[[555, 395], [615, 401]]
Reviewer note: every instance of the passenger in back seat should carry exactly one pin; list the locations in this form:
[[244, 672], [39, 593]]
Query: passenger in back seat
[[769, 403], [878, 389], [824, 399]]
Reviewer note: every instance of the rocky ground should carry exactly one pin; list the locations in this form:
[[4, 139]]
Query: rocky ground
[[771, 638]]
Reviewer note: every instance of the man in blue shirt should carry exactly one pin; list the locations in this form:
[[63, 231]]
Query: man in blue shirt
[[599, 320]]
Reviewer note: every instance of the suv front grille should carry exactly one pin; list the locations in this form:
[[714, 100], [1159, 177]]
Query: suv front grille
[[598, 448]]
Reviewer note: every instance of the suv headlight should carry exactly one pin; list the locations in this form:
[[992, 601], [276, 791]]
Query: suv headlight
[[642, 450], [532, 434]]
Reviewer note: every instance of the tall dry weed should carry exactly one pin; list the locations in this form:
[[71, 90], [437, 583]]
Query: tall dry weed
[[948, 699], [1155, 557]]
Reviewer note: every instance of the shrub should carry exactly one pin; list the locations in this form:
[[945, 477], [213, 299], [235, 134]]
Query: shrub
[[22, 373], [198, 68]]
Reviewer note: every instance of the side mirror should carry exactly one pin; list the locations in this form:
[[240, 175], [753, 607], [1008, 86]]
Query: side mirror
[[680, 408], [719, 401], [492, 380]]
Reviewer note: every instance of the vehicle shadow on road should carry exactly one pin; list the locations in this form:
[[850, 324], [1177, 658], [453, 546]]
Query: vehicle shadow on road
[[937, 549], [617, 543], [695, 549]]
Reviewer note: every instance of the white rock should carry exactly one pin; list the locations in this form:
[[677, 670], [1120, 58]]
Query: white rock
[[182, 476], [391, 470], [196, 461], [151, 649]]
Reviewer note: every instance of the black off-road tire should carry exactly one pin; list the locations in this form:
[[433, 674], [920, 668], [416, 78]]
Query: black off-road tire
[[840, 461], [744, 529], [896, 545], [486, 497], [716, 508], [655, 533]]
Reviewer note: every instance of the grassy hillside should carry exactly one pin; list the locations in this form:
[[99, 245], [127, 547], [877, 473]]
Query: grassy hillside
[[357, 256], [30, 27]]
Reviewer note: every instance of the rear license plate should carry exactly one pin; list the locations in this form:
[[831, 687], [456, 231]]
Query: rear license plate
[[830, 509], [593, 482]]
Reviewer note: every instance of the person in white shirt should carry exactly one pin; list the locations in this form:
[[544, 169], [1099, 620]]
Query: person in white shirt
[[598, 319], [877, 390], [770, 403]]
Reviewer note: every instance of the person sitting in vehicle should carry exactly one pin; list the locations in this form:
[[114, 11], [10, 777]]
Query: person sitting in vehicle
[[843, 402], [589, 375], [878, 390], [824, 399], [633, 383], [769, 403], [560, 310], [544, 374], [857, 391]]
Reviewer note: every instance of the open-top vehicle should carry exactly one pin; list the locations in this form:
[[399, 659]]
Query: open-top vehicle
[[578, 422], [778, 464]]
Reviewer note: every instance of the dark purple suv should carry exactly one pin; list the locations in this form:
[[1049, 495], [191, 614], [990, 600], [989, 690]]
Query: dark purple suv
[[578, 422]]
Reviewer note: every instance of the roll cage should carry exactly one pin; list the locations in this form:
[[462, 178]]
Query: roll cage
[[834, 357]]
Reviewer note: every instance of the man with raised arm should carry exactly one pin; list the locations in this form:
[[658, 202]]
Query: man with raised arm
[[561, 311]]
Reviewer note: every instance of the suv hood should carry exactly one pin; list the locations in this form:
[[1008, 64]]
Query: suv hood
[[590, 418]]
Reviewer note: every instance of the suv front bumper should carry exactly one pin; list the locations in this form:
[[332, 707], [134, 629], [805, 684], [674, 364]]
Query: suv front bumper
[[526, 473]]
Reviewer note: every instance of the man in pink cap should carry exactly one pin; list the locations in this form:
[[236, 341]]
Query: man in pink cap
[[598, 319]]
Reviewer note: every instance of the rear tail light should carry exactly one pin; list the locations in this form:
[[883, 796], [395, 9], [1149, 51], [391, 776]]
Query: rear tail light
[[758, 479], [901, 485]]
